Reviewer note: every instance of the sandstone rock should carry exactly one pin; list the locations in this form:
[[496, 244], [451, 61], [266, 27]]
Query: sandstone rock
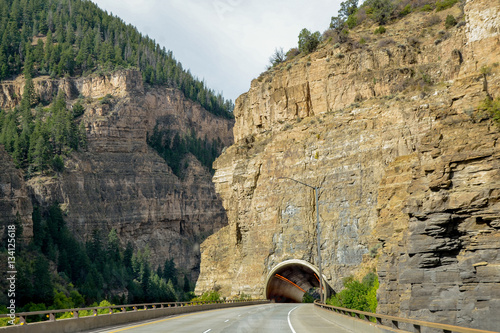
[[414, 169], [120, 182]]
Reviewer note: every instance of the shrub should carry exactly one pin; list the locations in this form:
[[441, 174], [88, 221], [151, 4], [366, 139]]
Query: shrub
[[308, 42], [380, 30], [358, 295], [450, 21], [427, 8], [58, 163], [278, 57], [329, 35], [379, 10], [292, 53], [307, 298], [405, 11], [208, 296], [351, 21], [491, 107], [445, 4], [78, 109]]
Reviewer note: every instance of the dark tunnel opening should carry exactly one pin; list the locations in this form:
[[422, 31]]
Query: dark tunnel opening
[[290, 280]]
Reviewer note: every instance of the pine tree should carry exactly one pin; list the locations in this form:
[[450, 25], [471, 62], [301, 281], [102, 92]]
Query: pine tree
[[44, 286]]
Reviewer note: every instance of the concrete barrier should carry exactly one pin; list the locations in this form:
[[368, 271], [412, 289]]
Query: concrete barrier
[[101, 321]]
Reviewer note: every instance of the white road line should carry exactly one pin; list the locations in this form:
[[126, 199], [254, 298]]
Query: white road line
[[207, 330], [289, 322], [226, 320]]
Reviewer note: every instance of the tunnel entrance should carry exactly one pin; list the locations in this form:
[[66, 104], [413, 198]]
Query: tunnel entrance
[[291, 279]]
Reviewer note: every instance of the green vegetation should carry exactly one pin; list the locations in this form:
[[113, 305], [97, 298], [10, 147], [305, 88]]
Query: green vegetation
[[445, 4], [491, 107], [450, 21], [380, 30], [56, 271], [346, 16], [208, 296], [38, 144], [351, 15], [311, 295], [173, 148], [379, 11], [382, 12], [405, 11], [75, 37], [357, 295], [307, 298], [308, 42]]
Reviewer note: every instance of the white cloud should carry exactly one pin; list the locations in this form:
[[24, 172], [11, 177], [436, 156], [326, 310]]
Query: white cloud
[[226, 42]]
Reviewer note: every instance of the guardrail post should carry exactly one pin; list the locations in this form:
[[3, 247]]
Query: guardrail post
[[76, 314], [94, 311], [52, 317], [145, 307], [22, 320], [124, 309], [395, 324], [416, 328], [379, 321]]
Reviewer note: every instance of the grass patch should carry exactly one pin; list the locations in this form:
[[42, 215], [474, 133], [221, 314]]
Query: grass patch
[[445, 4]]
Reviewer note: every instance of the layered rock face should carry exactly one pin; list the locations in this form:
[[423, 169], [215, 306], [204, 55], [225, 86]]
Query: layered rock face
[[120, 182], [407, 164], [15, 203]]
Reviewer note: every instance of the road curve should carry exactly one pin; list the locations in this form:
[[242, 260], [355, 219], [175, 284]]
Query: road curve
[[274, 318]]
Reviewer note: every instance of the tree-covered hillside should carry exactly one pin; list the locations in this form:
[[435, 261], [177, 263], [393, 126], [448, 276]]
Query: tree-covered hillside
[[75, 38]]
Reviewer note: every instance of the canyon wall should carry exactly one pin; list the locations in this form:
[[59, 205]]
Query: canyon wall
[[119, 181], [407, 161]]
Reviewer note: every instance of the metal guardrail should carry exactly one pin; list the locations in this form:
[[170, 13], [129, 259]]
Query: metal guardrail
[[52, 314], [395, 322]]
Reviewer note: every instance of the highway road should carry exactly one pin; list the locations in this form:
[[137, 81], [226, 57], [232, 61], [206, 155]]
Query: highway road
[[274, 318]]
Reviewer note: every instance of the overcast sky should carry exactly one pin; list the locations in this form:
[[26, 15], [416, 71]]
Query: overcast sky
[[225, 42]]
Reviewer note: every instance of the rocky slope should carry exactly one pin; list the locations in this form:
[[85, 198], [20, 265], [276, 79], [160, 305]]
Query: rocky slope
[[120, 182], [407, 163]]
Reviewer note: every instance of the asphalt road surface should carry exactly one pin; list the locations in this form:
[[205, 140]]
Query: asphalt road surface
[[273, 318]]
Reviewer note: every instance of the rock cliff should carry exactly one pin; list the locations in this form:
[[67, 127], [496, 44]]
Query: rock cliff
[[15, 203], [408, 166], [119, 181]]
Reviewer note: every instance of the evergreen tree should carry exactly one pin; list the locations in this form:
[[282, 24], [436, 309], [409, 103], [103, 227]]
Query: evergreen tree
[[113, 250], [80, 38], [170, 271], [44, 286]]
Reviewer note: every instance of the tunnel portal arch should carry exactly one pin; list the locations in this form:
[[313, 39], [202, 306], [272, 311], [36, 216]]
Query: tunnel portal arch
[[290, 279]]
